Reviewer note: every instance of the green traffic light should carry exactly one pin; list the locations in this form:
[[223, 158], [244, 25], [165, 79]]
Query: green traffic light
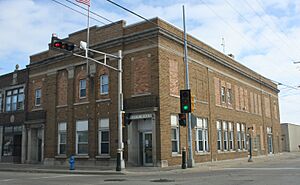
[[185, 107]]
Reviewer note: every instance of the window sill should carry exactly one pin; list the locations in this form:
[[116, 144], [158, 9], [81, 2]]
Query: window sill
[[176, 155], [81, 103], [37, 109], [202, 153], [60, 157], [103, 100], [103, 157], [61, 106], [142, 94], [175, 96], [78, 156]]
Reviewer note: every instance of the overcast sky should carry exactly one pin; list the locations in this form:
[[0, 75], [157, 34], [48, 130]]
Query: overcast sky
[[263, 35]]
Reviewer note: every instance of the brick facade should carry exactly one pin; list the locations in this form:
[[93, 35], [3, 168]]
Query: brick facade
[[153, 73]]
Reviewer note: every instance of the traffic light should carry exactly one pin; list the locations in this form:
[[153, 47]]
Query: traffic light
[[62, 45], [126, 119], [185, 101], [182, 119]]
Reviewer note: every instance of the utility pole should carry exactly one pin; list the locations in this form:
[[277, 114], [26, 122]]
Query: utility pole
[[223, 44], [190, 161]]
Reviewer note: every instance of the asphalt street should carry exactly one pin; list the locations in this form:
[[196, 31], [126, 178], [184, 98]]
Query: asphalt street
[[285, 171]]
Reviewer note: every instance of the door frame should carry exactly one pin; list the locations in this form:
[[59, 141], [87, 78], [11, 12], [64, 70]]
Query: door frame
[[144, 154]]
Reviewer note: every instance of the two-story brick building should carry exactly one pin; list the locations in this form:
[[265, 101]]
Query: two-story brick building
[[12, 116], [72, 113]]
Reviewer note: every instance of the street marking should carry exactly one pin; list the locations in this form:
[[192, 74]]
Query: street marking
[[6, 180], [261, 168], [50, 177]]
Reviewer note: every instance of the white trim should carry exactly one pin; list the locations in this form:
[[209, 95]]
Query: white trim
[[84, 127], [103, 126], [61, 128], [35, 97]]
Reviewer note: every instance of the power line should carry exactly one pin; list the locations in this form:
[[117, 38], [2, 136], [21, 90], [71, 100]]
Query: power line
[[90, 11], [243, 17], [266, 24], [170, 49], [132, 12], [77, 11], [278, 25]]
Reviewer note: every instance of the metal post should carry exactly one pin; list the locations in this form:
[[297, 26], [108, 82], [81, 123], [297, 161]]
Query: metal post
[[190, 160], [250, 149], [120, 160], [183, 165]]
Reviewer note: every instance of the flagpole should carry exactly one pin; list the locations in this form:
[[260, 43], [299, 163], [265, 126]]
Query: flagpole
[[88, 40]]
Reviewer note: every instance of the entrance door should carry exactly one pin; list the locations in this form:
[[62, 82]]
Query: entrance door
[[39, 150], [147, 149], [270, 144], [17, 150]]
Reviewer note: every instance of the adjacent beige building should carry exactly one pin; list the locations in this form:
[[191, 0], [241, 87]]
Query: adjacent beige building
[[290, 137]]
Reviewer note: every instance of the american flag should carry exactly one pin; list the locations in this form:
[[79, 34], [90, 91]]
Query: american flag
[[86, 2]]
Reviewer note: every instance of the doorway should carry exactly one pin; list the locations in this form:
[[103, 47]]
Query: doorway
[[147, 149], [270, 144]]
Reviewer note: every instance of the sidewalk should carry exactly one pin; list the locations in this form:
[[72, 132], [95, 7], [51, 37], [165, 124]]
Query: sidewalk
[[94, 170]]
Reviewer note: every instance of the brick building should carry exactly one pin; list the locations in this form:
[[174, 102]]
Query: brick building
[[12, 116], [70, 113]]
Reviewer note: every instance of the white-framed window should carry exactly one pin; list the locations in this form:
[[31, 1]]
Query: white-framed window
[[174, 134], [104, 86], [269, 130], [38, 96], [229, 96], [62, 138], [202, 135], [103, 137], [14, 100], [231, 140], [219, 135], [238, 136], [82, 137], [225, 135], [243, 136], [223, 98], [1, 100], [82, 88]]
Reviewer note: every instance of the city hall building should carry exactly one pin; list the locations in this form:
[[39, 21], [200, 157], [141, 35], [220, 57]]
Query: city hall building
[[72, 109]]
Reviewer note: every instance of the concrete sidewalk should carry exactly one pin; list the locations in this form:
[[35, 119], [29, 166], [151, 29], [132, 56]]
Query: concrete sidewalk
[[94, 170]]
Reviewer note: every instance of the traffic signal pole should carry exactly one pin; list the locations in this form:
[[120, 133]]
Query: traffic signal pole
[[120, 160], [190, 161]]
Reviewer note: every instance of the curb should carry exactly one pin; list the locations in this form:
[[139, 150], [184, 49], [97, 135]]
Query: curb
[[83, 172]]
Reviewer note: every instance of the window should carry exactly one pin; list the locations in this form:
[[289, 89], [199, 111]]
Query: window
[[82, 88], [1, 100], [38, 95], [104, 84], [231, 141], [229, 96], [201, 135], [225, 135], [174, 134], [103, 136], [223, 95], [14, 100], [62, 138], [8, 145], [239, 139], [219, 134], [82, 137]]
